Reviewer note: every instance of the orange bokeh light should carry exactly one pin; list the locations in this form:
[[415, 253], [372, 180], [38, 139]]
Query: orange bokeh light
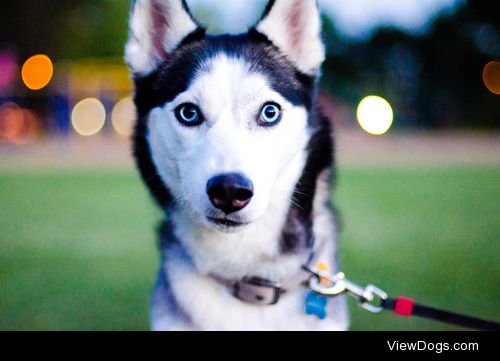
[[17, 125], [11, 121], [491, 77], [37, 72]]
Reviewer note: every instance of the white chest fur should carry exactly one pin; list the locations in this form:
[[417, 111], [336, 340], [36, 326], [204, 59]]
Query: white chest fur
[[208, 305]]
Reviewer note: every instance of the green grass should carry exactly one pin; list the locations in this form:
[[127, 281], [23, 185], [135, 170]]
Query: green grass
[[77, 251]]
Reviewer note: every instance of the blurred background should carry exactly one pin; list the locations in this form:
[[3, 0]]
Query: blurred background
[[411, 86]]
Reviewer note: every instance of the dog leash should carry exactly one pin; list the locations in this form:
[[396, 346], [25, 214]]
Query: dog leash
[[375, 300]]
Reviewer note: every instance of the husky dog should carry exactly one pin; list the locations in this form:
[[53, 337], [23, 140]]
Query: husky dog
[[233, 147]]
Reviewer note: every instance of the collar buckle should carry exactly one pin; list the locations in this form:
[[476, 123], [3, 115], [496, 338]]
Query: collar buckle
[[258, 291]]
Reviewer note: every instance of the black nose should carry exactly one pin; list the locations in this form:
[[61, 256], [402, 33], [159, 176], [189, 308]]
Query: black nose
[[230, 192]]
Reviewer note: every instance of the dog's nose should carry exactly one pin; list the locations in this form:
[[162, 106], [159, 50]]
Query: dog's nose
[[230, 192]]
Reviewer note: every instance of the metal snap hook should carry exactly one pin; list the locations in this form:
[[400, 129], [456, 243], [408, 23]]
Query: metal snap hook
[[337, 283], [340, 285]]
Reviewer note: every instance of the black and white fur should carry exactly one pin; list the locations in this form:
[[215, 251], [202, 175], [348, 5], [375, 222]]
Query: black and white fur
[[230, 77]]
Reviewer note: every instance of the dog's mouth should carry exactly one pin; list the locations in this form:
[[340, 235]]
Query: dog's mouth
[[225, 223]]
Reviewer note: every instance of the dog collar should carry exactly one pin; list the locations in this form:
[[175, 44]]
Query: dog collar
[[263, 292]]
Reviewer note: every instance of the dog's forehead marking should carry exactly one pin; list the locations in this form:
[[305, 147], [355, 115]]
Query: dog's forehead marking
[[228, 85], [192, 61]]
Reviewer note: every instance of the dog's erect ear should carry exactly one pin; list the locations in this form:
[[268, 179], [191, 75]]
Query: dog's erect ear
[[157, 27], [294, 26]]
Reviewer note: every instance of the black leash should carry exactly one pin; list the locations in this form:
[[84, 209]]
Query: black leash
[[407, 307], [375, 300]]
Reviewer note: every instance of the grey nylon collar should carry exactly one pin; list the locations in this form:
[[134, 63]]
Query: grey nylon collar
[[262, 292]]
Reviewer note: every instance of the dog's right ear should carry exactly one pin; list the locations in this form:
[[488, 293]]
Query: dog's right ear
[[157, 27]]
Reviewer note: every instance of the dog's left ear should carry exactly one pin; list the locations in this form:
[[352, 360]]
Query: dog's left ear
[[294, 26]]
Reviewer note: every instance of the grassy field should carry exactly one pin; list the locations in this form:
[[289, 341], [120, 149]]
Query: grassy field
[[77, 250]]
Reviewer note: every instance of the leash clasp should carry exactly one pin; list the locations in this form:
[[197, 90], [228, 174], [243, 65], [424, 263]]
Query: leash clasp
[[326, 284]]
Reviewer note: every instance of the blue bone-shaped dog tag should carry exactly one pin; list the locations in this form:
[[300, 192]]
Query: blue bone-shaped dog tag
[[316, 305]]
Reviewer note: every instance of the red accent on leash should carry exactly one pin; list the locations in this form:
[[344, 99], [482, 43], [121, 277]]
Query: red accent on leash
[[404, 306]]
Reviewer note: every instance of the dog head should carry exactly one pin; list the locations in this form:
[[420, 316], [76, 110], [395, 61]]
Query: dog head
[[224, 121]]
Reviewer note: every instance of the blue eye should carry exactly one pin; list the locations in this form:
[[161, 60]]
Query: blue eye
[[189, 114], [270, 115]]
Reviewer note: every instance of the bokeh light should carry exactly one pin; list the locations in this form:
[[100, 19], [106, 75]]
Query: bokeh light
[[11, 120], [8, 69], [123, 117], [17, 125], [37, 72], [375, 115], [88, 117], [491, 76]]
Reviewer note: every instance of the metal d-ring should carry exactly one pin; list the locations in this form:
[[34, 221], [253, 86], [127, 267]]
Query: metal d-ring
[[338, 285], [335, 283]]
